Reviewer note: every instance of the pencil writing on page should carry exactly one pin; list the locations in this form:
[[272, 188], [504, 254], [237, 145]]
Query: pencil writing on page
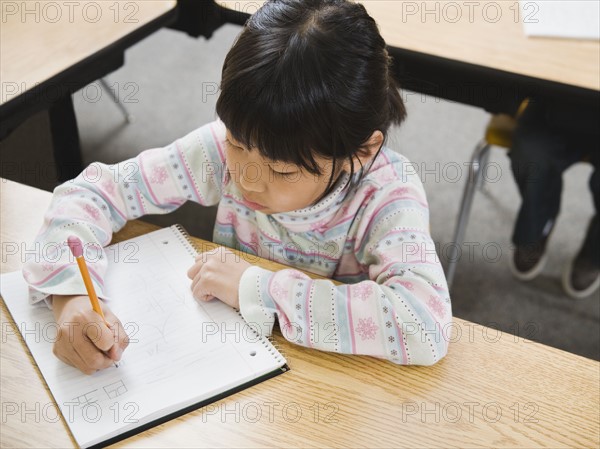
[[76, 248]]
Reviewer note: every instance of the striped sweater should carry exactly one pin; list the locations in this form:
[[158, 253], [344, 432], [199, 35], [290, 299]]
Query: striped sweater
[[394, 304]]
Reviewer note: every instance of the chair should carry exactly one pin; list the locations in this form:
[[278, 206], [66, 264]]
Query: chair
[[499, 132], [130, 118]]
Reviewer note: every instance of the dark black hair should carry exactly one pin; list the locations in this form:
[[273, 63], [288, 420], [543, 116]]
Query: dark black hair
[[309, 77]]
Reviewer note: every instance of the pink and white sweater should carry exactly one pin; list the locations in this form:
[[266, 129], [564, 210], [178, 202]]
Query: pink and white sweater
[[395, 304]]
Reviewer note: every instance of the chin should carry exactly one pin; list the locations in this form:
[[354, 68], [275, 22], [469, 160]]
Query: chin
[[271, 211]]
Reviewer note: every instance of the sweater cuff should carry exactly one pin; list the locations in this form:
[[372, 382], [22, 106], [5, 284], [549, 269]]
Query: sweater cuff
[[256, 305], [36, 296]]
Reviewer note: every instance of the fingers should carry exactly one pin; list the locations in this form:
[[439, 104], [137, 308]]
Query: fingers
[[197, 272], [201, 259], [220, 253], [202, 272], [77, 350], [92, 359], [98, 332], [200, 276], [74, 360], [85, 340], [195, 269], [201, 283], [201, 286], [120, 337], [205, 297]]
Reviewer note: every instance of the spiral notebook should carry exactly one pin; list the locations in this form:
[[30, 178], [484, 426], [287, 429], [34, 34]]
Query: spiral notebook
[[183, 354]]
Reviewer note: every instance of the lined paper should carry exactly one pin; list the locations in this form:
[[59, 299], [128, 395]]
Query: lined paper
[[181, 351]]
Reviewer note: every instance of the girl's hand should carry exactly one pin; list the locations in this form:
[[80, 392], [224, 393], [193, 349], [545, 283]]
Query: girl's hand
[[84, 341], [217, 274]]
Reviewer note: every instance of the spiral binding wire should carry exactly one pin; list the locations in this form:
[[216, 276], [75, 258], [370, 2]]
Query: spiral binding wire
[[278, 348], [184, 237], [187, 241]]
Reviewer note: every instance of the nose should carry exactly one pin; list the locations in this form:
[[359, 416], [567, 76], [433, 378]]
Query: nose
[[252, 178]]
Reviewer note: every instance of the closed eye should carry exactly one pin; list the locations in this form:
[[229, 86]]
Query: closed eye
[[235, 147], [283, 174], [290, 173]]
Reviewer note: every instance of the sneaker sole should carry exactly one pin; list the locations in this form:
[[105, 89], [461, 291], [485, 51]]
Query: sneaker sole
[[577, 294], [527, 275]]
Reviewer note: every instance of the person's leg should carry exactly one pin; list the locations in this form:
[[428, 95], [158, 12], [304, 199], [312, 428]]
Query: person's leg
[[594, 230], [539, 156], [582, 276], [537, 169]]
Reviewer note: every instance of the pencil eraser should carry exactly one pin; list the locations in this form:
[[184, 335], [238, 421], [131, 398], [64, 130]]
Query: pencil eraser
[[75, 245]]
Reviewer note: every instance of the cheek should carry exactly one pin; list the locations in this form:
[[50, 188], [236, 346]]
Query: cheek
[[234, 162], [230, 159], [299, 192]]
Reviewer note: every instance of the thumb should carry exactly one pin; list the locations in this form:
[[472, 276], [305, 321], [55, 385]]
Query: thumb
[[120, 338], [98, 332]]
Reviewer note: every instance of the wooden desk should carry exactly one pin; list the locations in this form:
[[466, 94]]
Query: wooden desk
[[484, 58], [49, 50], [477, 53], [491, 390], [495, 38], [42, 39]]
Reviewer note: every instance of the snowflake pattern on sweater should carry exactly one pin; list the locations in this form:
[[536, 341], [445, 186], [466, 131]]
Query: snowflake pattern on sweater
[[394, 303]]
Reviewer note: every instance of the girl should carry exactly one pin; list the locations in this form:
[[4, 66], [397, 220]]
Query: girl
[[297, 163]]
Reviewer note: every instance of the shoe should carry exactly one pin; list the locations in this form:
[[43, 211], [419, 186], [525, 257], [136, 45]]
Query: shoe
[[582, 276], [528, 261]]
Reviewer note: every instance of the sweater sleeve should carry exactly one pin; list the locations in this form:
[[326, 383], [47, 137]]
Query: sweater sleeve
[[101, 199], [402, 313]]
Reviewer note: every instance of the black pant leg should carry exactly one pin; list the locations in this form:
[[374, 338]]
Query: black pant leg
[[591, 245], [539, 156]]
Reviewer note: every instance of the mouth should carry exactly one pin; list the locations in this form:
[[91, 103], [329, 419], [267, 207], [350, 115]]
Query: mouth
[[252, 204]]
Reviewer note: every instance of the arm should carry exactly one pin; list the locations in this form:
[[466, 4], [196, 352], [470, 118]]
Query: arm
[[104, 197], [402, 313]]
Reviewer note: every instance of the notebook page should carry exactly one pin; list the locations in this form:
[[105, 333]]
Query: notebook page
[[181, 351]]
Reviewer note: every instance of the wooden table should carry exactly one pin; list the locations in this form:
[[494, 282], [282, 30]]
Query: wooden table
[[477, 53], [43, 39], [492, 389], [49, 50], [489, 34]]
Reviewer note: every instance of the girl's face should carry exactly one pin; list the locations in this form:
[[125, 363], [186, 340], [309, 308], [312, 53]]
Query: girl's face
[[273, 187]]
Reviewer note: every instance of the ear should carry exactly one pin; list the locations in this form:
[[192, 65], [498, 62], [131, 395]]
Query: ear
[[368, 151]]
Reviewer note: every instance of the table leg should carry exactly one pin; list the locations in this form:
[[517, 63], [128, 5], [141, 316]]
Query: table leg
[[202, 18], [65, 139]]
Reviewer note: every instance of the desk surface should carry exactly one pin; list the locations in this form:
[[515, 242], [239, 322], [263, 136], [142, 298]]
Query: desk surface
[[40, 39], [485, 33], [491, 390]]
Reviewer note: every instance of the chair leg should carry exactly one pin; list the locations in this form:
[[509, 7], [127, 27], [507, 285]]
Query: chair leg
[[129, 117], [485, 157], [475, 173]]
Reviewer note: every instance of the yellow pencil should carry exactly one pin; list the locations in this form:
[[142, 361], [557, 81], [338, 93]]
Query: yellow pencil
[[77, 249]]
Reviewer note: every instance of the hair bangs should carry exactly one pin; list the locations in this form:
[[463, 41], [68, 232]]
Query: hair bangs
[[282, 114]]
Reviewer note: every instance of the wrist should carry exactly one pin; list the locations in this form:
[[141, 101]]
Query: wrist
[[60, 301]]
